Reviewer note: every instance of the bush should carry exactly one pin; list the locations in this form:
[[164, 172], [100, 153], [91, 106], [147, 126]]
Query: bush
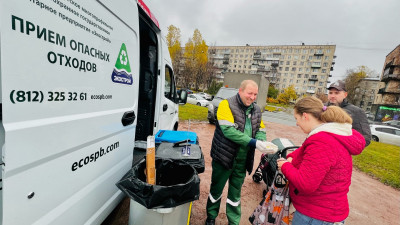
[[271, 100]]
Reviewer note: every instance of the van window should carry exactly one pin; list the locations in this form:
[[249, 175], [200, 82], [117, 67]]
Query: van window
[[170, 89]]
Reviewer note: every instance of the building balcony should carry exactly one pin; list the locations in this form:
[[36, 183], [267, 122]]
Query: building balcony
[[328, 82], [313, 79], [319, 54], [333, 62], [316, 65], [387, 77], [330, 75], [383, 91], [311, 91], [332, 68]]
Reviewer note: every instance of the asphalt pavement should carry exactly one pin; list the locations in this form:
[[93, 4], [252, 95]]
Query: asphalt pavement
[[280, 117]]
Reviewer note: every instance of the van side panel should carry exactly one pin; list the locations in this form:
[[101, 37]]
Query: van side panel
[[69, 73]]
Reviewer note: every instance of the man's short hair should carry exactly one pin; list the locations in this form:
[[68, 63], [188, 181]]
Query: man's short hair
[[244, 84], [339, 85]]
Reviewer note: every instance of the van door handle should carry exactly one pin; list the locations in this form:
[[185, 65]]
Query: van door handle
[[128, 118], [165, 107]]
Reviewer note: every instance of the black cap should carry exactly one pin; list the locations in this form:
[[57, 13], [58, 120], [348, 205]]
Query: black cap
[[340, 85]]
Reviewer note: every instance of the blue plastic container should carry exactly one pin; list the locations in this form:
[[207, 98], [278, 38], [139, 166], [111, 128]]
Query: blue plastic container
[[173, 136]]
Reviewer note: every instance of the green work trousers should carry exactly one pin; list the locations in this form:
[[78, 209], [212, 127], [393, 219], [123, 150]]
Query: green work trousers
[[220, 175]]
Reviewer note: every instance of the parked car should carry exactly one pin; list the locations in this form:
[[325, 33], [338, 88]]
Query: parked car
[[222, 94], [393, 123], [385, 134], [185, 89], [197, 100], [205, 96]]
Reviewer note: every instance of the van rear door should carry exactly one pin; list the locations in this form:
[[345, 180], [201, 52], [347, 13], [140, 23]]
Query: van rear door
[[69, 88]]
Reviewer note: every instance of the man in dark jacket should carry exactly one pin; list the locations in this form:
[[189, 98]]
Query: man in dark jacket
[[238, 131], [337, 96]]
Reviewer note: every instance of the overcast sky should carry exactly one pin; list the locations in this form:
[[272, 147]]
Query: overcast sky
[[364, 31]]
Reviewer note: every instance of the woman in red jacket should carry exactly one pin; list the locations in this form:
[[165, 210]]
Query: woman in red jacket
[[319, 172]]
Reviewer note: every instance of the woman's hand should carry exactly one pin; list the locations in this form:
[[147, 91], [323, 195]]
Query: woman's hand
[[282, 161]]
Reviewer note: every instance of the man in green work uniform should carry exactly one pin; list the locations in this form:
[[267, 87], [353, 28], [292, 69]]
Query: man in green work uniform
[[238, 131]]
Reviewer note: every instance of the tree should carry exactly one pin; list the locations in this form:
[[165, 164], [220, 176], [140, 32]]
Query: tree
[[272, 91], [214, 87], [353, 77], [196, 58], [288, 95], [174, 46]]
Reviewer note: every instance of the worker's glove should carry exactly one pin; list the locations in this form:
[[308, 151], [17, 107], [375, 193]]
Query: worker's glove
[[266, 147]]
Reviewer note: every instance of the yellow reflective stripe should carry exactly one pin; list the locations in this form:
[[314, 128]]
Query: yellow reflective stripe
[[262, 126], [230, 202], [224, 112]]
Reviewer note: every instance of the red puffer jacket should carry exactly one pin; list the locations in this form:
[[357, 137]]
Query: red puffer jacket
[[320, 174]]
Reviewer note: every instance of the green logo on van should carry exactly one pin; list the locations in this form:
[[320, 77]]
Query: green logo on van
[[122, 70]]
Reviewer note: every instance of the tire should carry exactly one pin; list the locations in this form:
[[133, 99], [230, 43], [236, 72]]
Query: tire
[[257, 177], [375, 138], [198, 104]]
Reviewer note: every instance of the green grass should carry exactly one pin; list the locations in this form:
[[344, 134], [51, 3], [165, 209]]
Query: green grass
[[192, 112], [272, 108], [381, 161]]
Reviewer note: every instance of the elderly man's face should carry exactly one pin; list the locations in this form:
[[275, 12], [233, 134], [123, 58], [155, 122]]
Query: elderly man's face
[[336, 97], [249, 94]]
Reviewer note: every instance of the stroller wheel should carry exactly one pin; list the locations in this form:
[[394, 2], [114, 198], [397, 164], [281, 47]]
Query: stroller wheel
[[257, 177]]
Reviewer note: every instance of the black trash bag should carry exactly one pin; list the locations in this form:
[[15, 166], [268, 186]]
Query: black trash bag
[[177, 183]]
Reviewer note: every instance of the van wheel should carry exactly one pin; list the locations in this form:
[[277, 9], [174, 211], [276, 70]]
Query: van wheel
[[176, 126], [198, 104], [375, 138]]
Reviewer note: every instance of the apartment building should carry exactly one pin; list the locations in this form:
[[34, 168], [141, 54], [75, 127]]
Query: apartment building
[[387, 103], [366, 92], [306, 67]]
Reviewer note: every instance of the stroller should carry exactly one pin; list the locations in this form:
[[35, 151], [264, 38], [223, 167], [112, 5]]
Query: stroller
[[267, 167], [274, 207]]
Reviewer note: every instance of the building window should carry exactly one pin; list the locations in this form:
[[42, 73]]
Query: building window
[[310, 57], [323, 71], [298, 75], [305, 75], [287, 62], [289, 57], [286, 68], [326, 57], [325, 64], [293, 68], [303, 57]]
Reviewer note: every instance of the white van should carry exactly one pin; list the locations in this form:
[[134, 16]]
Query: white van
[[81, 81]]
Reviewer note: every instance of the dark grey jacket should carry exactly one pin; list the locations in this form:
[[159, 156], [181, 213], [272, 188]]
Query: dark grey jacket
[[224, 150], [360, 122]]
